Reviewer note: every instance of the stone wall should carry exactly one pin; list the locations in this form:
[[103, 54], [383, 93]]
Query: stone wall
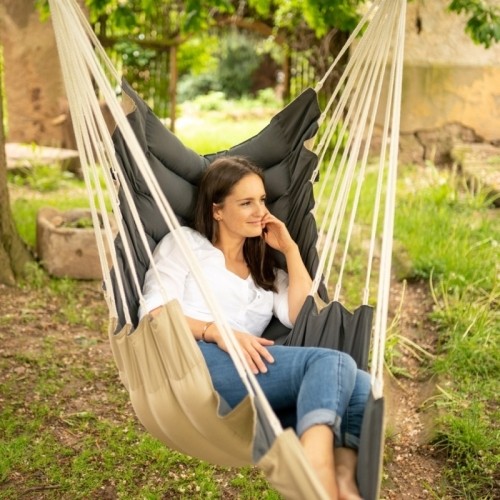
[[451, 86]]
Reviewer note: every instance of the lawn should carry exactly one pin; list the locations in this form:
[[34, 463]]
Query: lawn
[[68, 431]]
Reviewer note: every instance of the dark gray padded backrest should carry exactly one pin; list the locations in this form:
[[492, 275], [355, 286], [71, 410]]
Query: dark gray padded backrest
[[278, 149]]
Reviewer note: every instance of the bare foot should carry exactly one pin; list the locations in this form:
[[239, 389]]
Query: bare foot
[[345, 472], [348, 489], [318, 447]]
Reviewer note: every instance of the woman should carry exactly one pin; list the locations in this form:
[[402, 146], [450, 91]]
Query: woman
[[232, 238]]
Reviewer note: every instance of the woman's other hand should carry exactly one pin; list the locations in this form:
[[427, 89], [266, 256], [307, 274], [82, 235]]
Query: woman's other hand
[[254, 349]]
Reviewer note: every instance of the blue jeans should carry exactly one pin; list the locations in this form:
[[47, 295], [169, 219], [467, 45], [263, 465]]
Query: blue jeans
[[305, 386]]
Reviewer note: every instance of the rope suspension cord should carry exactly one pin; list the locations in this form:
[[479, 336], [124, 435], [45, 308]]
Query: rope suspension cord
[[79, 68], [357, 106], [365, 66], [85, 63], [80, 106], [344, 176], [380, 327], [360, 89]]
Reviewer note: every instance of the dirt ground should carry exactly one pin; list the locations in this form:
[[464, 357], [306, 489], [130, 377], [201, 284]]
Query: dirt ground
[[412, 469]]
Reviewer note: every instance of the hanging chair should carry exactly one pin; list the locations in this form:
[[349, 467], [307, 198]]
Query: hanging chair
[[150, 180]]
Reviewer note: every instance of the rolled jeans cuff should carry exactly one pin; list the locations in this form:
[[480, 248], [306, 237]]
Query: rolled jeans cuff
[[351, 441], [320, 417]]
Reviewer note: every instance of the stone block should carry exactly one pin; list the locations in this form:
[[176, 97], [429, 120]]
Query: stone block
[[65, 249]]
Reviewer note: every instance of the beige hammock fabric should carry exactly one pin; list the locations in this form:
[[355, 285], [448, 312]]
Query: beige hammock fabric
[[171, 392], [159, 361], [162, 356], [165, 374]]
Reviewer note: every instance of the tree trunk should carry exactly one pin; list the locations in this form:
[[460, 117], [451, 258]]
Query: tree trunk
[[14, 254]]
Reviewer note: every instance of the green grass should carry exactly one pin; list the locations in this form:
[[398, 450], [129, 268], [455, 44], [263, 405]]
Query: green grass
[[452, 235], [461, 245], [218, 134], [43, 186]]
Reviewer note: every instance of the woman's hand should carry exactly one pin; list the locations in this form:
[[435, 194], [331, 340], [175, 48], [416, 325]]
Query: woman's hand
[[276, 235], [253, 348]]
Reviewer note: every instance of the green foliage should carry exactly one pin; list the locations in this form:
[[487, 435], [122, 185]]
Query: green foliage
[[133, 55], [323, 15], [237, 62], [200, 88], [267, 98], [212, 101], [320, 15], [483, 24], [196, 56], [200, 13], [236, 58]]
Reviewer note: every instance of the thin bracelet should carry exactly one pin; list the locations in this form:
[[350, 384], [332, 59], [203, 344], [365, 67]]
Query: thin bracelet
[[205, 328]]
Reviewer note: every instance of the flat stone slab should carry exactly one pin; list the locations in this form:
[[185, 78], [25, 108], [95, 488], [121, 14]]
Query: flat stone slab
[[481, 164], [30, 155]]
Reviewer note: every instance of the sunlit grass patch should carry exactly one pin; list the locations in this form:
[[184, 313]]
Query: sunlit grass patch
[[217, 134]]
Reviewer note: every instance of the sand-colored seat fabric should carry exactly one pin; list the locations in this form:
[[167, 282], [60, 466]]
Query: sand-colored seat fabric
[[287, 469], [172, 393], [173, 397]]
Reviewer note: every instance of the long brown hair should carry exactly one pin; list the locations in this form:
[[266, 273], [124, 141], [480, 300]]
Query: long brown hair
[[216, 184]]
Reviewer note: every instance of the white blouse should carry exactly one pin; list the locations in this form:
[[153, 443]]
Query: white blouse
[[248, 308]]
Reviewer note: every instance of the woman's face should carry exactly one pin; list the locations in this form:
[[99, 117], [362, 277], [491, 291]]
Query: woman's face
[[241, 213]]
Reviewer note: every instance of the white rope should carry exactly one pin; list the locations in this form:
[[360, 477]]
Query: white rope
[[380, 328], [357, 80], [358, 94], [375, 80], [83, 141], [65, 14], [351, 154]]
